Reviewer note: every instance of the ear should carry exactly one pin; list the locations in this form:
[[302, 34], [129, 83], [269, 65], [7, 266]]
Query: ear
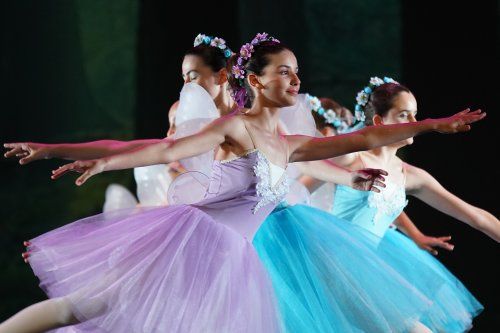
[[222, 76], [377, 120], [253, 80], [328, 131]]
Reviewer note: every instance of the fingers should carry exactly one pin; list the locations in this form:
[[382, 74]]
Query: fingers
[[431, 250], [376, 171], [463, 112], [25, 256], [26, 243], [59, 172], [75, 166], [83, 178], [379, 184], [26, 160], [383, 172], [473, 116], [13, 152], [443, 243], [12, 145]]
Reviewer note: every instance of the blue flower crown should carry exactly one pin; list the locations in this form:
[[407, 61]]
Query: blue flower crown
[[214, 42], [329, 115], [364, 95]]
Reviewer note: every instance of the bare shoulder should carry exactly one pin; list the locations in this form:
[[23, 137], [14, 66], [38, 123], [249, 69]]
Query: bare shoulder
[[415, 177]]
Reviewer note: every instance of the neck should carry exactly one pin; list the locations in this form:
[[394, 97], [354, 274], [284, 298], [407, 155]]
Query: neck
[[385, 154], [265, 116], [224, 102]]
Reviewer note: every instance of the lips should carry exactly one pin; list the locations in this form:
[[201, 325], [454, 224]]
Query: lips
[[293, 92]]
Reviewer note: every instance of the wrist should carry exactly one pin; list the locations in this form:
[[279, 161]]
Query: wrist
[[48, 151], [106, 163], [431, 124]]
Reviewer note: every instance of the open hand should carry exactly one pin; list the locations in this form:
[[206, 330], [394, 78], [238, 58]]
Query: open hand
[[368, 179], [430, 244], [87, 168], [26, 151], [459, 122]]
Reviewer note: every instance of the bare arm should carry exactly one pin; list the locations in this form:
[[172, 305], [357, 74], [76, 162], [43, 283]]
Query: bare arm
[[31, 151], [305, 148], [425, 187], [365, 179], [163, 152], [428, 243]]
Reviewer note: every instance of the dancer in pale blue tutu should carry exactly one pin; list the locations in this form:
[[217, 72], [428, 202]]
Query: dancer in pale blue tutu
[[385, 102], [322, 186]]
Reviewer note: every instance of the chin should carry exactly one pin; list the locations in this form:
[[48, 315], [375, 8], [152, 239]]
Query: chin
[[289, 100]]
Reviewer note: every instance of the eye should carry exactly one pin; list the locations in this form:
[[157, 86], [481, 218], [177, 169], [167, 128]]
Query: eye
[[284, 72], [403, 115]]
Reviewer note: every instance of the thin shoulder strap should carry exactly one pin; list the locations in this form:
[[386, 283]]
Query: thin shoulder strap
[[361, 159], [249, 134], [287, 157]]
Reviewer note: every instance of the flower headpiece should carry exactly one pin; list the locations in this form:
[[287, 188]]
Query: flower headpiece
[[246, 51], [364, 95], [329, 115], [214, 42]]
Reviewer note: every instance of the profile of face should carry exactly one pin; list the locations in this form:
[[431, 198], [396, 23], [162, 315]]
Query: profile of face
[[194, 69], [278, 85], [403, 110], [171, 118]]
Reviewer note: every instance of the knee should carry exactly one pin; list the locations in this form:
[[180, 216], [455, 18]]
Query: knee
[[65, 311]]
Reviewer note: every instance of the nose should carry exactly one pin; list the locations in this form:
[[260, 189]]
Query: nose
[[187, 79], [295, 80], [412, 118]]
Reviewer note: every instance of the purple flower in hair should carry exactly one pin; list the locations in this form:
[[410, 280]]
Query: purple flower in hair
[[246, 51], [238, 72], [259, 38]]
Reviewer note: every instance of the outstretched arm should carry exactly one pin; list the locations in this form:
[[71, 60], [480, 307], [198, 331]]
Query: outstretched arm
[[364, 179], [305, 148], [425, 242], [31, 151], [425, 187], [162, 152]]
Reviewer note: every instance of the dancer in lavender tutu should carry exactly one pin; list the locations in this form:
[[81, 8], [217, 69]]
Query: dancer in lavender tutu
[[192, 268]]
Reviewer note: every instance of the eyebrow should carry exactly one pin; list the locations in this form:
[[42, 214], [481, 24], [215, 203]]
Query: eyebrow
[[288, 67], [193, 70], [408, 111]]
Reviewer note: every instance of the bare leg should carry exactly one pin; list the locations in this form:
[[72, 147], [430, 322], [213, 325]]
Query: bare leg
[[40, 317], [420, 328]]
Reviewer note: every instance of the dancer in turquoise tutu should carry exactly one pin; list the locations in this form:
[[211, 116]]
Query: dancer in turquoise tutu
[[388, 102]]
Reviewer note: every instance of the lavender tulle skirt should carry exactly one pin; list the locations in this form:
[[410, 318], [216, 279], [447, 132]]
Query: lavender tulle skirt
[[168, 269]]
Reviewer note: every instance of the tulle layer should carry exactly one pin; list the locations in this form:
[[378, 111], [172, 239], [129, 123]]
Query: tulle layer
[[168, 269], [329, 278], [454, 307]]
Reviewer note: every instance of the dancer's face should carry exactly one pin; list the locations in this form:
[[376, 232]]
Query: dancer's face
[[194, 69], [404, 110], [279, 83], [171, 118]]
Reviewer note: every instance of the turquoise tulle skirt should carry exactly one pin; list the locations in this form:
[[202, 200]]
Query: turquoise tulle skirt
[[333, 276], [454, 307]]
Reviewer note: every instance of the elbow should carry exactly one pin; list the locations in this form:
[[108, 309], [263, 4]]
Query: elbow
[[488, 224]]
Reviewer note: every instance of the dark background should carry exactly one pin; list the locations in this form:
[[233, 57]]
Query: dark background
[[83, 70]]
